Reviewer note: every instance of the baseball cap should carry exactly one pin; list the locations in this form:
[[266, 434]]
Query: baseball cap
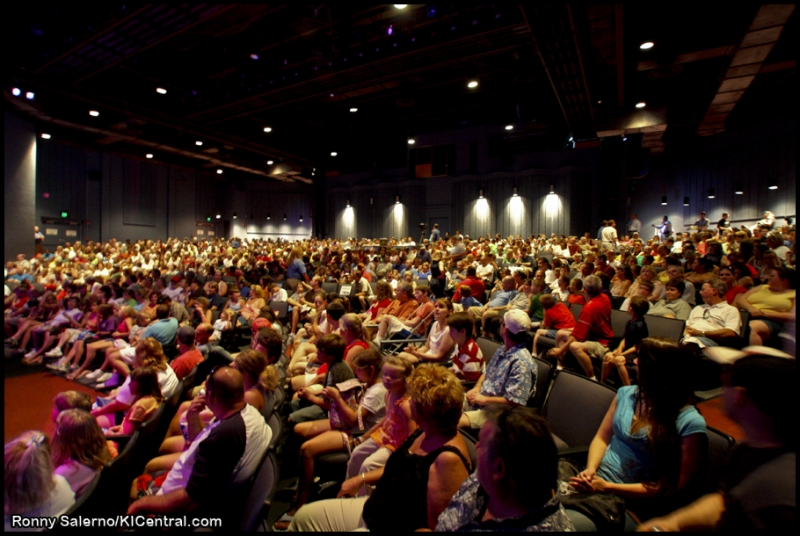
[[516, 321]]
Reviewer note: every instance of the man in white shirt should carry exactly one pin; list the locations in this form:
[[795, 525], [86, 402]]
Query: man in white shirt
[[635, 225], [714, 322], [609, 235]]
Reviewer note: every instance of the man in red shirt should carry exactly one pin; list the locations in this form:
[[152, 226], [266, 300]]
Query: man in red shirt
[[591, 336], [190, 356], [473, 282]]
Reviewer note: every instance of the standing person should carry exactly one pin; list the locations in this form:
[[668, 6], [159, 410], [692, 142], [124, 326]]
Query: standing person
[[703, 223], [724, 224], [436, 234], [609, 235], [38, 240], [664, 228], [635, 225]]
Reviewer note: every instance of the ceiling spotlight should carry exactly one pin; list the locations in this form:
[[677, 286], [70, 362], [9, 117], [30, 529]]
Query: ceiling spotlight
[[773, 187], [161, 90], [397, 200], [411, 141], [198, 143], [739, 189], [509, 127], [94, 113], [647, 45], [235, 216], [45, 136], [480, 194], [301, 218], [29, 95], [270, 162], [516, 192], [16, 91], [269, 217], [371, 200], [149, 155], [348, 203], [284, 217], [685, 201], [711, 193], [663, 199], [401, 6], [219, 172], [253, 56], [218, 215], [624, 138], [208, 217], [267, 129], [599, 101], [472, 84], [354, 110], [334, 153], [552, 190], [641, 104]]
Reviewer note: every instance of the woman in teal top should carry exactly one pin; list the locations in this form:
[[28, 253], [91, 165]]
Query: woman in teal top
[[651, 442]]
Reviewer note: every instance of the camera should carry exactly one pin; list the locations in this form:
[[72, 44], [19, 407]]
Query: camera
[[423, 226]]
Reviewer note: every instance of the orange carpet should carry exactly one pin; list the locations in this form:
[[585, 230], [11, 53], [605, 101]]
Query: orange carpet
[[28, 402]]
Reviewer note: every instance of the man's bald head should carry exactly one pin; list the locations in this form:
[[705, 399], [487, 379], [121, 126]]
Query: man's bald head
[[227, 387]]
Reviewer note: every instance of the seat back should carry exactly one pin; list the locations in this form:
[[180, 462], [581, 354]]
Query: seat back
[[488, 348], [576, 310], [658, 326], [719, 447], [329, 287], [269, 405], [744, 334], [544, 375], [276, 426], [109, 495], [575, 407], [263, 488], [148, 442], [85, 503], [619, 319], [280, 309]]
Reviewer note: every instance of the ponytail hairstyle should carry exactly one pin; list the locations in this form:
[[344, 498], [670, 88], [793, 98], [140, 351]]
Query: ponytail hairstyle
[[28, 473]]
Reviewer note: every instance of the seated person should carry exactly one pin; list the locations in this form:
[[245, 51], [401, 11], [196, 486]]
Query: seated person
[[556, 318], [758, 492], [673, 306], [189, 356], [714, 322], [468, 363], [422, 474], [625, 354], [496, 305], [147, 397], [439, 346], [467, 300], [771, 306], [79, 449], [33, 490], [507, 492], [416, 321], [654, 416], [576, 295], [510, 377], [210, 474]]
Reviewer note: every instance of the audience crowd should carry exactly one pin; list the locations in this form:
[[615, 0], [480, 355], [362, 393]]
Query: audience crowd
[[377, 347]]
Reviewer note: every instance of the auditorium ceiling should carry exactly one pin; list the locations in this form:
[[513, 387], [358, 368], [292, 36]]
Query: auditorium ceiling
[[292, 83]]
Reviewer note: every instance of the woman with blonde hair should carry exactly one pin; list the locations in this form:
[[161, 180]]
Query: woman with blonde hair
[[648, 274], [252, 307], [32, 489], [79, 449]]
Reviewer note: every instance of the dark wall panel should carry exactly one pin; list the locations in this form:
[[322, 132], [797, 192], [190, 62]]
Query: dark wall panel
[[19, 174]]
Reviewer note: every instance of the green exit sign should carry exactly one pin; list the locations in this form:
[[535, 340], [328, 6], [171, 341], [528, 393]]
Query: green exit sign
[[64, 214]]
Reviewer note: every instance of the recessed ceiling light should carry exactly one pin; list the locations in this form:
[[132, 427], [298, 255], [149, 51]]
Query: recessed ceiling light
[[773, 187], [472, 84], [45, 136], [161, 90], [149, 155], [267, 129], [641, 104], [198, 143], [401, 6], [94, 113], [647, 45], [509, 127], [354, 110], [411, 141], [334, 153], [16, 91], [29, 95], [253, 56], [219, 172], [269, 162], [599, 102]]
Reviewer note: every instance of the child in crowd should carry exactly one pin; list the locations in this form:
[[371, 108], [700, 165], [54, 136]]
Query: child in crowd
[[79, 448], [223, 323], [468, 364], [374, 447], [467, 300], [556, 317], [145, 388], [628, 349]]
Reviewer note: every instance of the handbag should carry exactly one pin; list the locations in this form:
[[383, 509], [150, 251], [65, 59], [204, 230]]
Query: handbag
[[351, 392], [606, 510]]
